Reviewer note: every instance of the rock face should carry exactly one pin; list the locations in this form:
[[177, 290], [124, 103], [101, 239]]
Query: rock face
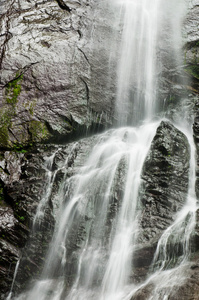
[[165, 179], [25, 180], [54, 70], [191, 49], [17, 208]]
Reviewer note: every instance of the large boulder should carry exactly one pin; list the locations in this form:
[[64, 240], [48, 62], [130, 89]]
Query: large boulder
[[165, 179]]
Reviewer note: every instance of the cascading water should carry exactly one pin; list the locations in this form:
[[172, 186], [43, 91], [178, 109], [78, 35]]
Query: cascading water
[[99, 205], [173, 251], [151, 31], [137, 67]]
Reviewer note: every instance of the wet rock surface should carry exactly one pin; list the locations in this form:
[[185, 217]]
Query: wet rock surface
[[165, 179], [191, 49], [24, 184], [54, 70], [187, 290], [17, 207], [163, 192]]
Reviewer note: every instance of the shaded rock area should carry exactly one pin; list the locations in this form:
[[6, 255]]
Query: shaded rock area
[[24, 184], [54, 64], [161, 202], [196, 140], [18, 206]]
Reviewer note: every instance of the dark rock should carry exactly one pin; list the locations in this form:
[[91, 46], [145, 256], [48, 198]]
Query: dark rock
[[163, 191], [196, 140], [144, 293], [13, 236], [165, 180], [23, 184]]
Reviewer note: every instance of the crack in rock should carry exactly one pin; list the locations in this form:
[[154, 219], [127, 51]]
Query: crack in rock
[[63, 5]]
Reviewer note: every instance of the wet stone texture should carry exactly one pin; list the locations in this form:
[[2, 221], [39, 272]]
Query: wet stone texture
[[54, 70], [163, 191], [23, 186], [17, 206], [187, 291], [165, 179]]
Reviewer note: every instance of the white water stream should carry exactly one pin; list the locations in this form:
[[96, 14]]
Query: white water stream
[[151, 33], [102, 263]]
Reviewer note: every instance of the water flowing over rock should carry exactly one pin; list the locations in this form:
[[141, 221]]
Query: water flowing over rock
[[110, 216]]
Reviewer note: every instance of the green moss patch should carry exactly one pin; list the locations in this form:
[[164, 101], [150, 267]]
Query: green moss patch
[[5, 124], [27, 133], [193, 70], [2, 196], [13, 89], [38, 131]]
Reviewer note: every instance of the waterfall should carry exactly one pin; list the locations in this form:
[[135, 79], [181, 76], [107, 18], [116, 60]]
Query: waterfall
[[97, 226], [137, 67], [149, 29]]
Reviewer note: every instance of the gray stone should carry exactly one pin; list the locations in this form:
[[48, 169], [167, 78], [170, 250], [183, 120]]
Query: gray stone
[[62, 60]]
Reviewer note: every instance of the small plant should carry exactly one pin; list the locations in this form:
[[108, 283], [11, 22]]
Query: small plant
[[22, 219], [19, 148], [13, 89]]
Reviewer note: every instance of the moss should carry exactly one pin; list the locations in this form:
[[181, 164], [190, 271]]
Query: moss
[[2, 196], [13, 89], [31, 109], [22, 219], [193, 70], [18, 215], [19, 148], [185, 57], [38, 131], [5, 123], [30, 106]]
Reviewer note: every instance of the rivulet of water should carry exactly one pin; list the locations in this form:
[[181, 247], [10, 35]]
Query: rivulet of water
[[13, 281]]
